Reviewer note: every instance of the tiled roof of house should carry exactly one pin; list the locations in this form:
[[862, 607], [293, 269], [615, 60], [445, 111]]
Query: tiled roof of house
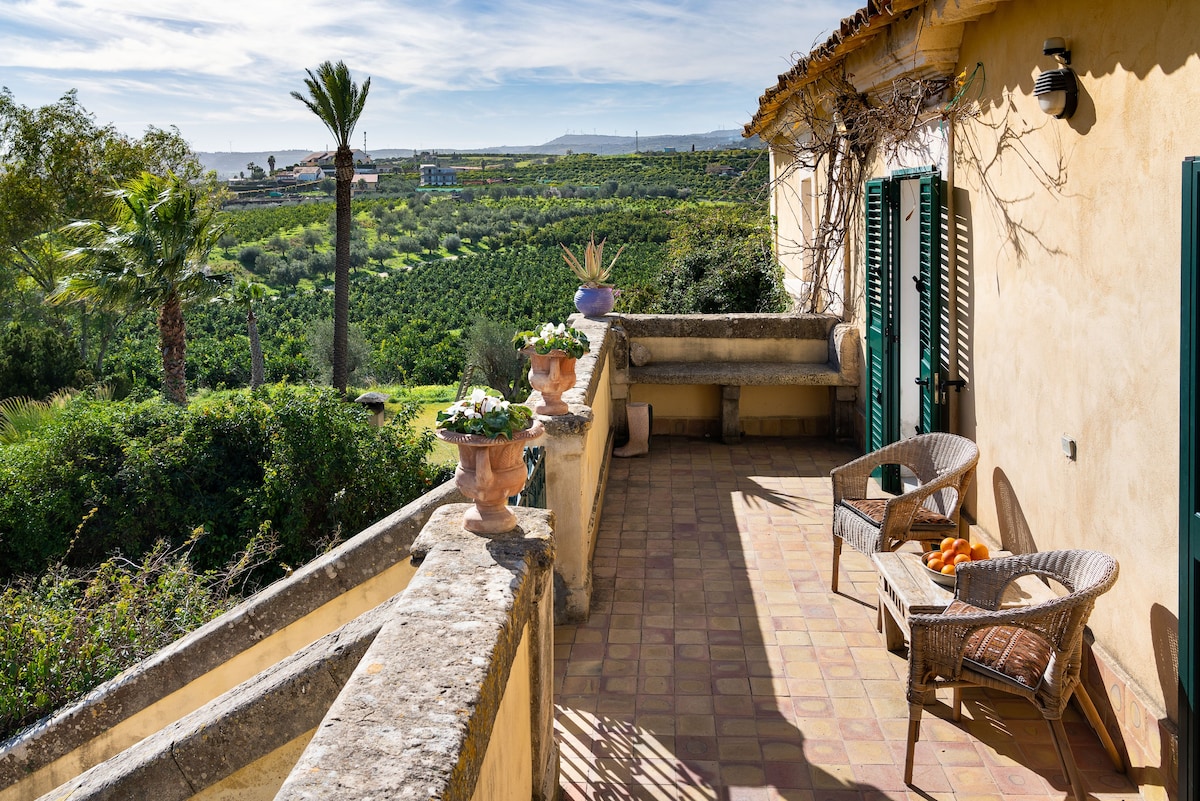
[[322, 156], [851, 34]]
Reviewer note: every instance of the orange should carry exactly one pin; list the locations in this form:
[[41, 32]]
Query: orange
[[936, 564], [979, 551], [947, 544], [949, 554], [948, 570], [962, 546], [960, 558]]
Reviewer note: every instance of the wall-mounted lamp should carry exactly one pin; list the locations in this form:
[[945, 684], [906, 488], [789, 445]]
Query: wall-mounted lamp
[[1057, 90]]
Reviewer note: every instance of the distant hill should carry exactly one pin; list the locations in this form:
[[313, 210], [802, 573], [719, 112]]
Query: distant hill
[[614, 145], [229, 164]]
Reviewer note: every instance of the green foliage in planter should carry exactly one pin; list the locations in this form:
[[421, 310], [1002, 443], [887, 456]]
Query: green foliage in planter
[[550, 337], [107, 477], [485, 416], [69, 630]]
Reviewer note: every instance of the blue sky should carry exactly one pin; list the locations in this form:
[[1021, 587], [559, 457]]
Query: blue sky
[[452, 74]]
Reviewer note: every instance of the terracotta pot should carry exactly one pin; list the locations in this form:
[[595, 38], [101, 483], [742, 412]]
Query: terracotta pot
[[595, 301], [551, 374], [490, 471]]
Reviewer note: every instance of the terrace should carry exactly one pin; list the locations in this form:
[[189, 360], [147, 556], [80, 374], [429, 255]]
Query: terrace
[[716, 663], [699, 651]]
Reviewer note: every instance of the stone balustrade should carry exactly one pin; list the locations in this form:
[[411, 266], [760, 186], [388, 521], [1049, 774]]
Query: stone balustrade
[[355, 678]]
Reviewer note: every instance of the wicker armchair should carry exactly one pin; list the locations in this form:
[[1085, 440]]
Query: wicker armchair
[[943, 463], [1033, 651]]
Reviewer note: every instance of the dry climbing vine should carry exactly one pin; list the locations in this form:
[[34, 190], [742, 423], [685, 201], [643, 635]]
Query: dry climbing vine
[[834, 131]]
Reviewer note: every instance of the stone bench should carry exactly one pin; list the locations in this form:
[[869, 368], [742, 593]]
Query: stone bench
[[735, 351]]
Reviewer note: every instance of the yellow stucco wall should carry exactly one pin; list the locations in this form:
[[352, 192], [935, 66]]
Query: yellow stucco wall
[[785, 401], [703, 402], [1074, 300], [1069, 261], [261, 779], [574, 472], [507, 770], [594, 455], [682, 401]]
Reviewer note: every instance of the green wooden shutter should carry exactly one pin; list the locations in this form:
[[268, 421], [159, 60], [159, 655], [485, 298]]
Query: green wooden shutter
[[1189, 485], [882, 401], [878, 249], [933, 413]]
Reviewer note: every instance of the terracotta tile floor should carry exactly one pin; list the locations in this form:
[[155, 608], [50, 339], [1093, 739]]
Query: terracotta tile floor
[[717, 664]]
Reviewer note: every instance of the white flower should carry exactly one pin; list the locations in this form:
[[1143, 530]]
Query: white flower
[[477, 397]]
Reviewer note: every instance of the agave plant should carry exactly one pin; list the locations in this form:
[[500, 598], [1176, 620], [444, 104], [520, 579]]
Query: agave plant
[[592, 273]]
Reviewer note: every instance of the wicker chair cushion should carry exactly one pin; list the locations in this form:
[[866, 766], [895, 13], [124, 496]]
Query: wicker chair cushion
[[1012, 652], [871, 509]]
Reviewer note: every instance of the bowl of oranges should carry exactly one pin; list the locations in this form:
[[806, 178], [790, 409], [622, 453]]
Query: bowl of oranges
[[943, 562]]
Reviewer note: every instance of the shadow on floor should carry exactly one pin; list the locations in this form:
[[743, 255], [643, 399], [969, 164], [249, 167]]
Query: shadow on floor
[[716, 664]]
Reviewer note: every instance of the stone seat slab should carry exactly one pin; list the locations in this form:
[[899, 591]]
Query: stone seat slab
[[739, 374]]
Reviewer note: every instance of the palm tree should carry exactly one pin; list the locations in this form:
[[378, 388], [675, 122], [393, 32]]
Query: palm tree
[[246, 294], [338, 102], [152, 255]]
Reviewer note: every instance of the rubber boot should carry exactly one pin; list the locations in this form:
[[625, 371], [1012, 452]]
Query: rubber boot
[[639, 416]]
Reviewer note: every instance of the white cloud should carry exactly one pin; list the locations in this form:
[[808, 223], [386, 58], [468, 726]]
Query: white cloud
[[238, 60]]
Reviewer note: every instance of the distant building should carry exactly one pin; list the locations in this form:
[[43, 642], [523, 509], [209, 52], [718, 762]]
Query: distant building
[[721, 170], [307, 172], [433, 175], [363, 163], [364, 182]]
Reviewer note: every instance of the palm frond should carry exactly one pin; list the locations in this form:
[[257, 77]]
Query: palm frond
[[335, 99], [21, 416]]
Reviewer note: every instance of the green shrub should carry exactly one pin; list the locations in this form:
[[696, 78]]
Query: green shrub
[[116, 477], [36, 362], [320, 351], [69, 630], [722, 263]]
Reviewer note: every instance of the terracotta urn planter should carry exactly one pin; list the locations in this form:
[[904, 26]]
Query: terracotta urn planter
[[551, 374], [490, 471]]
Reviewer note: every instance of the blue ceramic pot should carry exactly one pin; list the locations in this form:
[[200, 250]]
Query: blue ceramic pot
[[594, 302]]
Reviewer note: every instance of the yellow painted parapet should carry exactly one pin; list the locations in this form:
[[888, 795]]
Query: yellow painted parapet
[[578, 449]]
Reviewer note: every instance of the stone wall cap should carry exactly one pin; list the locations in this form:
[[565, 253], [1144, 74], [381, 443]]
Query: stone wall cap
[[726, 326], [535, 529]]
